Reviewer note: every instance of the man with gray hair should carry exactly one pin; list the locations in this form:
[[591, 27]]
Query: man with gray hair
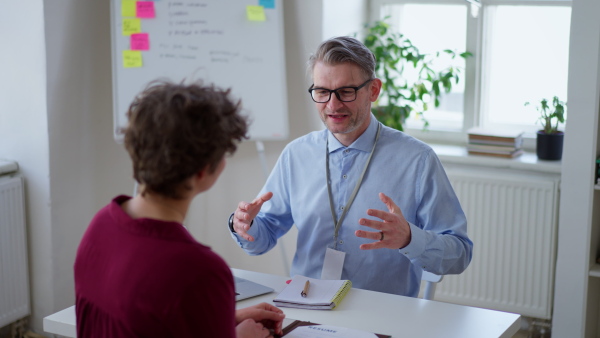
[[332, 184]]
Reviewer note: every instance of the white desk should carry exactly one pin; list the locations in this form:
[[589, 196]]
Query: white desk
[[376, 312], [62, 323]]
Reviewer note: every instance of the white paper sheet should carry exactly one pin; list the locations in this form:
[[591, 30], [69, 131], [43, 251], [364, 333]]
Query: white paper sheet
[[328, 331]]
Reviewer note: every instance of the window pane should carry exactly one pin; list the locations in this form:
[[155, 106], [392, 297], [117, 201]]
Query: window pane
[[433, 28], [526, 59]]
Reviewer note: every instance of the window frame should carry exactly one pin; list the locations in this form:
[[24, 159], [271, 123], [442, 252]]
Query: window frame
[[473, 76]]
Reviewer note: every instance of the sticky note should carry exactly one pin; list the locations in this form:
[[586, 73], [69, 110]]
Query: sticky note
[[145, 9], [128, 8], [131, 26], [139, 41], [267, 3], [255, 13], [132, 58]]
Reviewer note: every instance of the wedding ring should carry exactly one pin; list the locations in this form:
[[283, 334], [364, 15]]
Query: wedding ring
[[381, 232]]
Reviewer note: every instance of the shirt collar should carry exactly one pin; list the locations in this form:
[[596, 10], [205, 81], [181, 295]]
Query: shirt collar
[[364, 141]]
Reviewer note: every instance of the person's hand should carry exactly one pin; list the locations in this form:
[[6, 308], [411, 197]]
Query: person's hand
[[393, 231], [268, 315], [251, 329], [245, 213]]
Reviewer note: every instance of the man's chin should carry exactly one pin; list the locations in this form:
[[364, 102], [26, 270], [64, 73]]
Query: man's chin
[[340, 129]]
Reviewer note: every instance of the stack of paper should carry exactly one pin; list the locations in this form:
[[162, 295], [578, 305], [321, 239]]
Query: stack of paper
[[323, 294], [495, 143]]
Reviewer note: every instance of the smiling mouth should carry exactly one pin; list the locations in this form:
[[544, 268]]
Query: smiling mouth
[[337, 116]]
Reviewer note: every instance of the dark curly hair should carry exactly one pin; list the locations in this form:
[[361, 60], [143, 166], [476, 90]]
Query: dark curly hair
[[176, 130]]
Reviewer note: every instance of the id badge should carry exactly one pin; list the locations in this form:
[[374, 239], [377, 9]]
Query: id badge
[[333, 264]]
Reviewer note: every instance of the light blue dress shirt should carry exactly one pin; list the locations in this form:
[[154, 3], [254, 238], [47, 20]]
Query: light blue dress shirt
[[402, 167]]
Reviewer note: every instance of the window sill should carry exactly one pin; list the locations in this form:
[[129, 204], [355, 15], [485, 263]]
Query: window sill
[[527, 161]]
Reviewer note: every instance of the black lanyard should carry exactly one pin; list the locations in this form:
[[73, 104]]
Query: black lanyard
[[338, 223]]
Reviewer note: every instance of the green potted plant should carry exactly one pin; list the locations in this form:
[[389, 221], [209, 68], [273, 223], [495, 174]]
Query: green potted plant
[[549, 142], [400, 97]]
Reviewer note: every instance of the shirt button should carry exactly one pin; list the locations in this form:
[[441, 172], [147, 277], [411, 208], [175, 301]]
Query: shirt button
[[406, 252], [341, 208], [347, 151], [341, 242], [345, 176]]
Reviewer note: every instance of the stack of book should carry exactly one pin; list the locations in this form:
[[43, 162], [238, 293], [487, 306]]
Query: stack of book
[[488, 142]]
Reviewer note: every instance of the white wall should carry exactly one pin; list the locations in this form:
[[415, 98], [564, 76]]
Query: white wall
[[56, 122], [24, 130]]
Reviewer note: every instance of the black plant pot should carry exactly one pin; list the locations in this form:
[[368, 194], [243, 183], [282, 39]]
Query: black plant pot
[[549, 146]]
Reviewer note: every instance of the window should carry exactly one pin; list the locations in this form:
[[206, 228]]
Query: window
[[529, 44], [520, 53]]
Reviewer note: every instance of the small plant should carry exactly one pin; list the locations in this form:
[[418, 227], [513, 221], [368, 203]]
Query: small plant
[[551, 116], [400, 96]]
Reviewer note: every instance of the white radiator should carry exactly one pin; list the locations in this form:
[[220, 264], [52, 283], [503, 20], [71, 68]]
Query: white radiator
[[512, 220], [14, 281]]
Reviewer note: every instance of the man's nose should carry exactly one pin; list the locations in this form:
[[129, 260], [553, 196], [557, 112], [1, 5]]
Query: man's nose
[[334, 102]]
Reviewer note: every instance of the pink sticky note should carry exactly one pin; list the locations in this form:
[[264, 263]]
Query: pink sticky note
[[144, 9], [140, 41]]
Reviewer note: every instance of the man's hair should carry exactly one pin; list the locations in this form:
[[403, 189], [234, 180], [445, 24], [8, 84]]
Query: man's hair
[[344, 49], [177, 130]]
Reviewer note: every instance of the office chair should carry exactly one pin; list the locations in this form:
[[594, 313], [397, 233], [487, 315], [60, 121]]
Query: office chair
[[431, 281]]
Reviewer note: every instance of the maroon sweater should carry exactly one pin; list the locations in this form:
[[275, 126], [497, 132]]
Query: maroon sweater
[[149, 278]]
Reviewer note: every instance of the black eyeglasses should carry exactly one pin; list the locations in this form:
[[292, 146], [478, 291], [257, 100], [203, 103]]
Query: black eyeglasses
[[344, 94]]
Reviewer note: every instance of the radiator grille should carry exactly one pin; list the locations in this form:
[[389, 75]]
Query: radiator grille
[[512, 222], [14, 281]]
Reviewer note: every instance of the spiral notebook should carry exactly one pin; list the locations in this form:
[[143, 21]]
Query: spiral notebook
[[322, 294]]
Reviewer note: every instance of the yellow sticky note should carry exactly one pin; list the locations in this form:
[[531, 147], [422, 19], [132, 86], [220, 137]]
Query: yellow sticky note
[[256, 13], [132, 58], [131, 26], [128, 8]]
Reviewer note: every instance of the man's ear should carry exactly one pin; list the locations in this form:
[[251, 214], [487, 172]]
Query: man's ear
[[375, 89]]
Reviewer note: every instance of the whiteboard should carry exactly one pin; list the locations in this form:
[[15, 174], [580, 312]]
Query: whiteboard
[[214, 41]]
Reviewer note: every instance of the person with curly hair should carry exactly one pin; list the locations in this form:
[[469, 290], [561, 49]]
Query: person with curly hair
[[138, 271]]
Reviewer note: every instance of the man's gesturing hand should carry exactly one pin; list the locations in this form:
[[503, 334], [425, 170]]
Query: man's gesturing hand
[[245, 213], [393, 229]]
